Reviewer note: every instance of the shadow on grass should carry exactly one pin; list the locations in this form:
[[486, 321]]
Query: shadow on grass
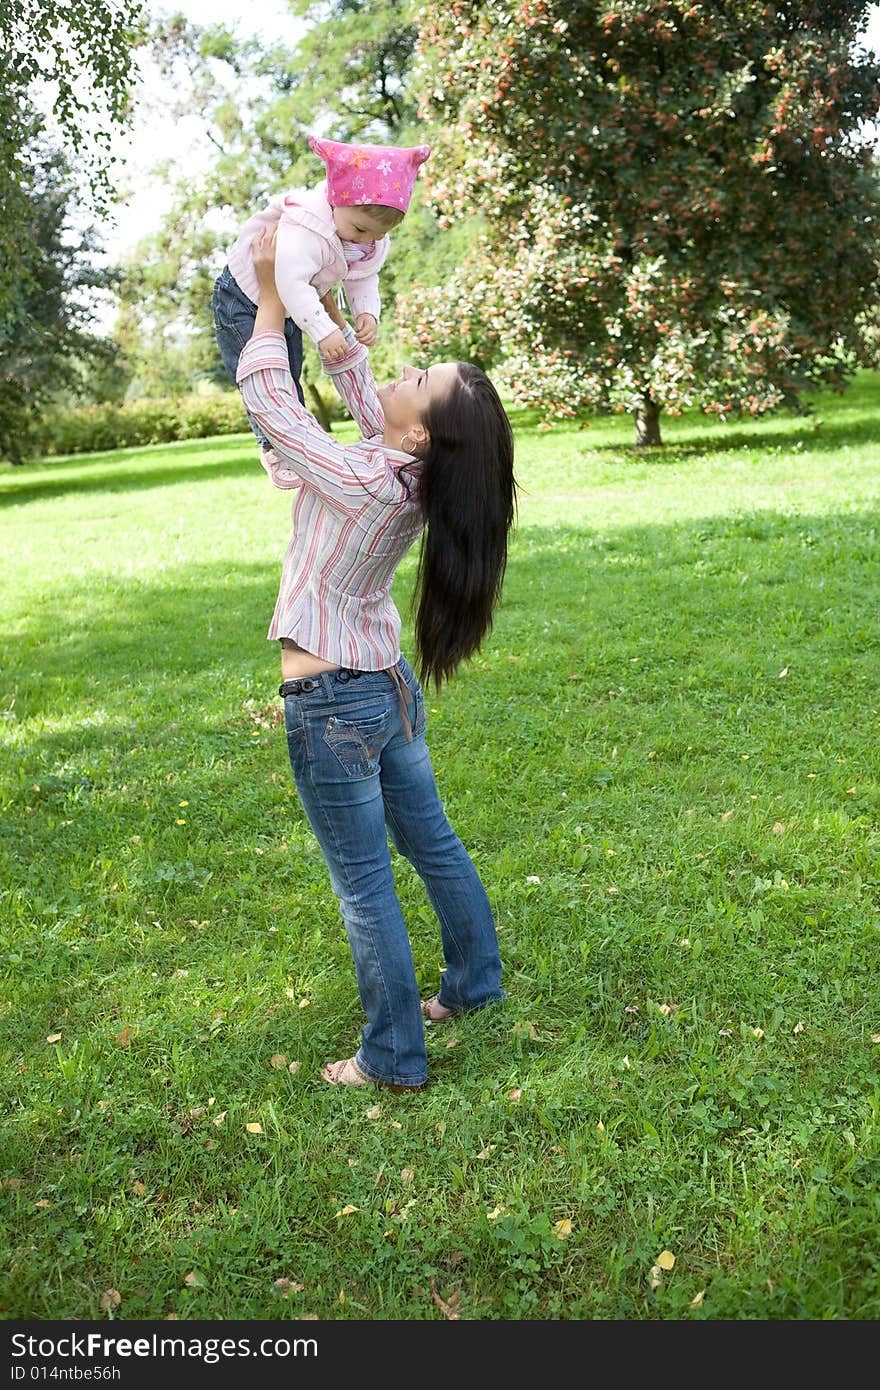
[[825, 437], [832, 423], [196, 651], [157, 466]]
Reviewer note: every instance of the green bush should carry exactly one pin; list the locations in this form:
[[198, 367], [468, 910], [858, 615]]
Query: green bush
[[90, 429]]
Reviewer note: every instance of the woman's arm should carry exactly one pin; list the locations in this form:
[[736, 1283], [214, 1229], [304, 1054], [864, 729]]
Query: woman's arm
[[354, 380], [353, 377], [305, 450]]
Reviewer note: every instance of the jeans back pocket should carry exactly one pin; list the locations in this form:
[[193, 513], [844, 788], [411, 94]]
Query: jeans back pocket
[[357, 744]]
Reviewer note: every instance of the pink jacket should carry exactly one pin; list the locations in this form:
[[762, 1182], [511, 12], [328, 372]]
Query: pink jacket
[[310, 259]]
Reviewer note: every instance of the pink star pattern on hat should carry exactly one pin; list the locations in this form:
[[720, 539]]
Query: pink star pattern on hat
[[382, 174]]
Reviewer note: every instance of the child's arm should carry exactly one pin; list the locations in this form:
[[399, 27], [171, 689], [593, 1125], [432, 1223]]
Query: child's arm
[[300, 255], [302, 447], [362, 294]]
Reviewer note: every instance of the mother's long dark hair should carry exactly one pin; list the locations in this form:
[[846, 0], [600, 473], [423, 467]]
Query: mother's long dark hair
[[468, 496]]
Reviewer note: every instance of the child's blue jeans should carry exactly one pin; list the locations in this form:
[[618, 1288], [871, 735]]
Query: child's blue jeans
[[234, 316]]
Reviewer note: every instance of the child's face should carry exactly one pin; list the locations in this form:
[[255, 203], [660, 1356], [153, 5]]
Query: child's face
[[353, 224]]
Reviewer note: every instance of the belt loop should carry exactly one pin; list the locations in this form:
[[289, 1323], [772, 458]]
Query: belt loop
[[326, 679]]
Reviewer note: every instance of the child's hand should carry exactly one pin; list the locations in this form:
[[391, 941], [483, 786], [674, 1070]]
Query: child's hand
[[334, 347], [365, 327]]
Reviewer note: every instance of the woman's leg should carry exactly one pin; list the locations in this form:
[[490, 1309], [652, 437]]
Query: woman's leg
[[421, 831], [335, 735]]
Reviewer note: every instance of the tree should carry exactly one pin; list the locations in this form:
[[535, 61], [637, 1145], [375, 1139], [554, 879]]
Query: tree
[[81, 53], [681, 208], [46, 345]]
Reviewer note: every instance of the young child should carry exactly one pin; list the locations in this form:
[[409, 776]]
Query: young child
[[333, 233]]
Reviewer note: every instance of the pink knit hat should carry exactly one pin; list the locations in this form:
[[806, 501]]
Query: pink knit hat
[[383, 174]]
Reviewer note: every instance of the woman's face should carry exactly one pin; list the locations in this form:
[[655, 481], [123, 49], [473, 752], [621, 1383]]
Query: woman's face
[[405, 400]]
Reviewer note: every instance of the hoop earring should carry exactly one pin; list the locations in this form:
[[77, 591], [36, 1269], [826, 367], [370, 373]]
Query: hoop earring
[[407, 448]]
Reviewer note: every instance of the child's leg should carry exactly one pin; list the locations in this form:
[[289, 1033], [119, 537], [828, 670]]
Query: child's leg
[[234, 316], [293, 334]]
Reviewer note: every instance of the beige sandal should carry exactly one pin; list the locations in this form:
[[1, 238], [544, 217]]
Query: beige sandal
[[348, 1073], [435, 1012]]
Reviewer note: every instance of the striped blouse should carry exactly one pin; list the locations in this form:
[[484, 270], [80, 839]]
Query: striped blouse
[[355, 513]]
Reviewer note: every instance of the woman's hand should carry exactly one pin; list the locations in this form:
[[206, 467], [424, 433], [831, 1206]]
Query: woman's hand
[[270, 310], [263, 248]]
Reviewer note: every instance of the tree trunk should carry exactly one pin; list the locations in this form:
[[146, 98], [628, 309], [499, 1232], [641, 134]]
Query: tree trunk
[[647, 418], [319, 405]]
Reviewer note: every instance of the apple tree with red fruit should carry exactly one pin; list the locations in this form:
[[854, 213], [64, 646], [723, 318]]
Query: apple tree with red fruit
[[675, 204]]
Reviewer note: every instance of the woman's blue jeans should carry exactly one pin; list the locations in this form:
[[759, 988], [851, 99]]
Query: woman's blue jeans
[[359, 780]]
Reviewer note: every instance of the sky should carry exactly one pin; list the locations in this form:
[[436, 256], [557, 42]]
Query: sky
[[153, 135]]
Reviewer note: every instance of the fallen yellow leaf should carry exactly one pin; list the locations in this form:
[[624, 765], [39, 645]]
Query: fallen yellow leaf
[[293, 1068], [494, 1214], [407, 1175], [220, 1117], [727, 815], [515, 1093], [44, 1202], [278, 1060], [252, 1128], [666, 1259], [139, 1188], [563, 1227], [875, 1037], [374, 1112], [110, 1298], [698, 1298], [779, 828], [53, 1038], [346, 1210], [123, 1037]]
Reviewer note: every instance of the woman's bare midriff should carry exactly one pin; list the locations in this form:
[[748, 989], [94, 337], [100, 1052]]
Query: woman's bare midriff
[[296, 661]]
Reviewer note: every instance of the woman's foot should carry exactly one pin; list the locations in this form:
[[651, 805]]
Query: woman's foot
[[435, 1012], [348, 1073]]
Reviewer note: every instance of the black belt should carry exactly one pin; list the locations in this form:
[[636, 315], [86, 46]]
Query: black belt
[[306, 684]]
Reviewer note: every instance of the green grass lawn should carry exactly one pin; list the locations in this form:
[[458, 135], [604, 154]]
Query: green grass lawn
[[665, 763]]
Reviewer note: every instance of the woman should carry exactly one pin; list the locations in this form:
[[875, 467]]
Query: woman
[[436, 459]]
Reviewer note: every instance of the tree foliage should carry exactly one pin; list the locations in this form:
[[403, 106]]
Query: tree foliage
[[46, 341], [682, 210], [80, 52]]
